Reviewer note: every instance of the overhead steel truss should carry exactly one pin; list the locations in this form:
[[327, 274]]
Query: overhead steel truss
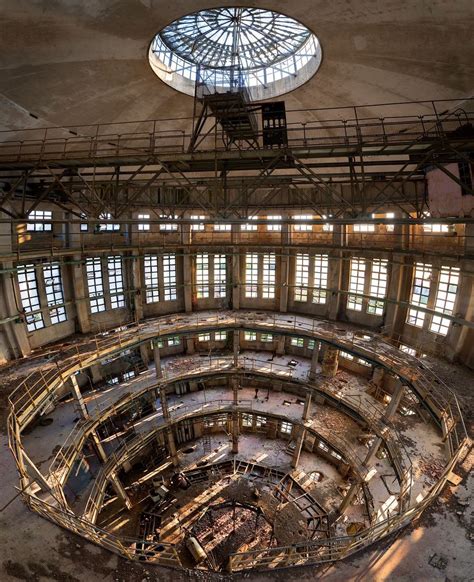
[[335, 166]]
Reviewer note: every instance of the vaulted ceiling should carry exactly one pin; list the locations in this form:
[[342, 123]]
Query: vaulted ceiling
[[85, 61]]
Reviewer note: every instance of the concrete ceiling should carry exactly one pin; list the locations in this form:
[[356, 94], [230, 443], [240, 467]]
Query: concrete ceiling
[[85, 61]]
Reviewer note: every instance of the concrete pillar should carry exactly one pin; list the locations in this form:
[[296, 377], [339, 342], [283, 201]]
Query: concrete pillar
[[349, 496], [120, 490], [137, 285], [236, 347], [190, 345], [378, 376], [299, 444], [81, 405], [330, 362], [335, 273], [373, 450], [307, 405], [284, 266], [15, 330], [80, 296], [96, 373], [280, 345], [235, 278], [169, 428], [145, 356], [394, 402], [187, 279], [314, 361], [235, 416], [157, 359], [99, 449]]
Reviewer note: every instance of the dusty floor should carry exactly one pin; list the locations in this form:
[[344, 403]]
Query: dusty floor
[[437, 547]]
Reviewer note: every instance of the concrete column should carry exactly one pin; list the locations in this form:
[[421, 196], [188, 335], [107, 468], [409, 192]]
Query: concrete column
[[120, 490], [81, 405], [190, 345], [187, 280], [378, 376], [99, 449], [235, 416], [280, 346], [395, 293], [15, 330], [144, 354], [157, 360], [352, 492], [330, 362], [299, 445], [96, 373], [394, 402], [236, 347], [374, 449], [307, 405], [235, 278], [137, 285], [314, 361], [335, 274], [169, 428], [80, 297], [284, 280]]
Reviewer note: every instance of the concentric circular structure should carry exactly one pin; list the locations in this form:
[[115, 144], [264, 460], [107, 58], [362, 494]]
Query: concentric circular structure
[[226, 48]]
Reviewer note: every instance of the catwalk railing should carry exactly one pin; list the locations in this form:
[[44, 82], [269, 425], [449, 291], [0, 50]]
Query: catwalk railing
[[42, 389], [375, 127]]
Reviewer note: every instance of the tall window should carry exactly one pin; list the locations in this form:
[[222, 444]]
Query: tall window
[[220, 227], [202, 275], [251, 275], [115, 274], [95, 284], [321, 266], [301, 277], [356, 284], [269, 269], [249, 226], [144, 223], [28, 285], [364, 227], [420, 293], [199, 225], [378, 286], [40, 220], [109, 226], [150, 267], [301, 225], [84, 226], [220, 276], [445, 299], [168, 225], [169, 277], [53, 287], [274, 223]]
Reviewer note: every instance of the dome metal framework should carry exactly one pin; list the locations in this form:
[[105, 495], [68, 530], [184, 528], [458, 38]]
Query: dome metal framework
[[262, 50]]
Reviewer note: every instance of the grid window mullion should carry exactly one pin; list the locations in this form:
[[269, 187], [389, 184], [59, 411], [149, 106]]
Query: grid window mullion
[[115, 274], [28, 286], [251, 275], [321, 267], [420, 294], [301, 277], [220, 276], [202, 275], [53, 287], [269, 272], [95, 284], [378, 286], [445, 299], [169, 277], [356, 284]]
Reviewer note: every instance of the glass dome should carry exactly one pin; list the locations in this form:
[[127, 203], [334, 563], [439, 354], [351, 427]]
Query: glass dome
[[265, 51]]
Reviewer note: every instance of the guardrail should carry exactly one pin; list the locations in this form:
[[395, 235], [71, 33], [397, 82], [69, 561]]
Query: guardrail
[[41, 389]]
